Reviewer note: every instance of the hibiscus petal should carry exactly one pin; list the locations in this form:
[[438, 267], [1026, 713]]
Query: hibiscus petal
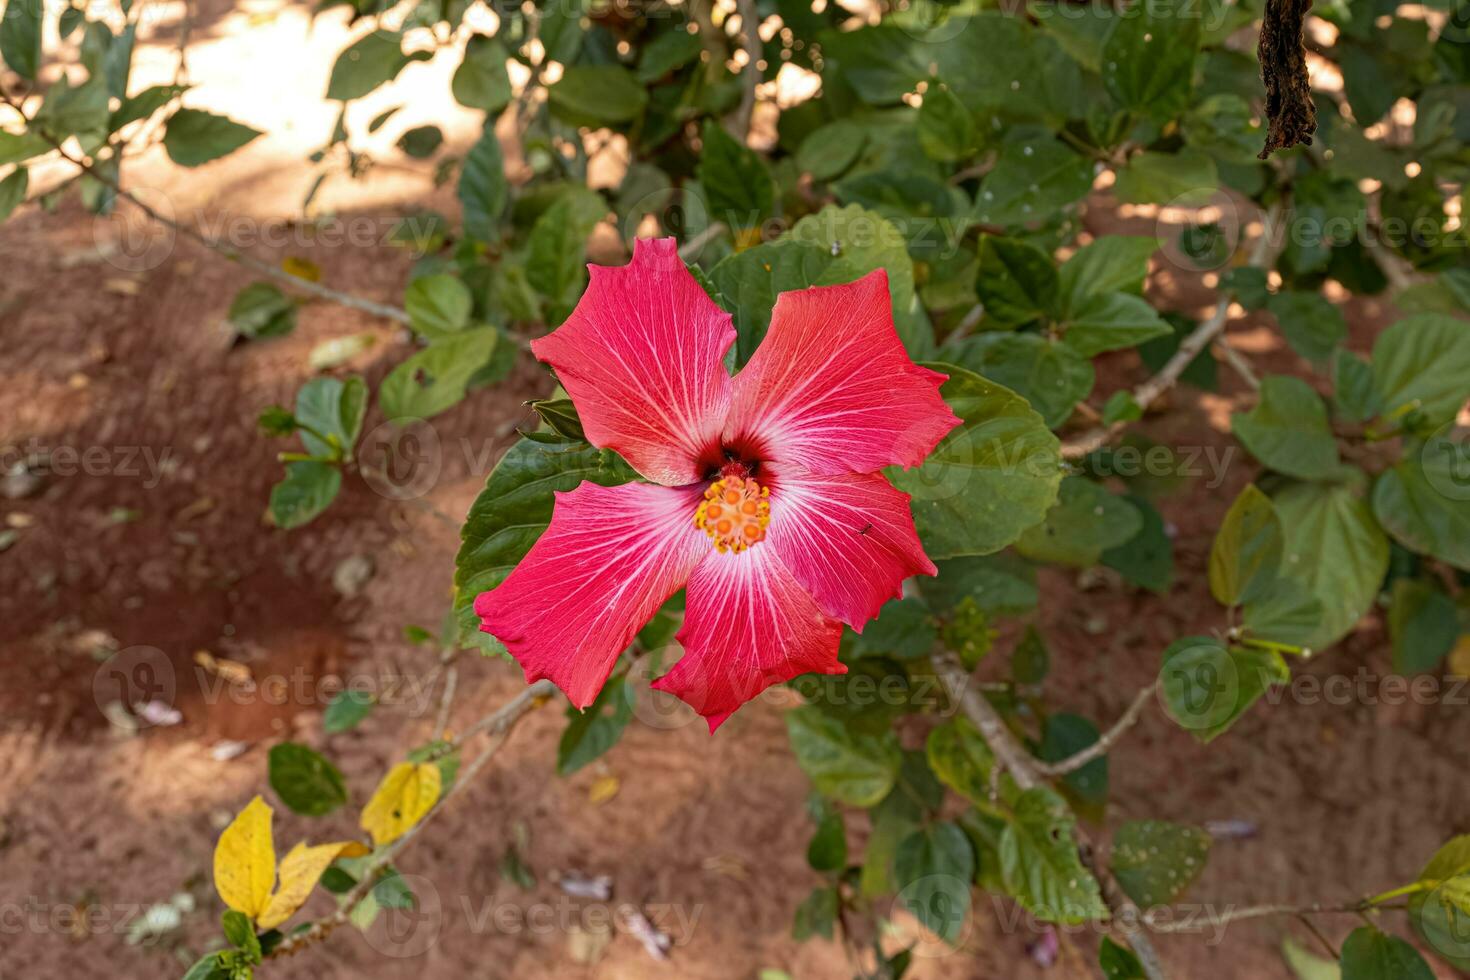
[[848, 539], [748, 624], [609, 559], [831, 388], [642, 357]]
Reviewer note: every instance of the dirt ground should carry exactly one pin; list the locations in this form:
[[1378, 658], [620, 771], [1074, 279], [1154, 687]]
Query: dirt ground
[[154, 544]]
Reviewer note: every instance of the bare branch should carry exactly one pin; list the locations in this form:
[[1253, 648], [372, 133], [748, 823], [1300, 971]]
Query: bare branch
[[1263, 254], [1101, 747], [250, 262], [498, 724], [1022, 767], [1230, 915], [750, 74]]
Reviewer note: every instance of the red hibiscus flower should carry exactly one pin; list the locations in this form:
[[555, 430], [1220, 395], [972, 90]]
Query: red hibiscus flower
[[765, 498]]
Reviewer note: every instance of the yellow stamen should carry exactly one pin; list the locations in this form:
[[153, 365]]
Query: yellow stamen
[[734, 513]]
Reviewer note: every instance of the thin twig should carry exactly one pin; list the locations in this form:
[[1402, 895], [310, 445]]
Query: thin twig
[[498, 724], [1237, 361], [750, 74], [249, 261], [1263, 254], [690, 250], [1101, 747], [1230, 915], [1022, 767]]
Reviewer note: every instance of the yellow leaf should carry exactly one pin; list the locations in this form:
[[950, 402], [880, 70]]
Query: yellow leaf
[[401, 800], [245, 860], [300, 871], [603, 790], [302, 268]]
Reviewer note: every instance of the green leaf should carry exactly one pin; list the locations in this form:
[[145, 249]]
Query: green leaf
[[363, 66], [1065, 735], [1306, 965], [1246, 553], [999, 585], [305, 780], [1031, 660], [1016, 281], [1166, 178], [392, 892], [17, 147], [1113, 321], [346, 711], [513, 510], [439, 306], [946, 129], [308, 489], [1424, 500], [829, 150], [1369, 954], [13, 191], [1118, 962], [933, 868], [1423, 624], [961, 759], [1120, 407], [481, 81], [1155, 861], [1222, 125], [556, 250], [1052, 377], [1312, 325], [736, 182], [861, 241], [816, 915], [828, 848], [882, 63], [1086, 521], [483, 189], [1288, 430], [1033, 178], [903, 628], [262, 310], [1335, 549], [194, 137], [144, 104], [749, 282], [1111, 264], [334, 408], [1287, 613], [1354, 397], [1422, 363], [591, 733], [597, 95], [213, 966], [990, 479], [435, 379], [1206, 688], [669, 51], [241, 934], [852, 768], [559, 415], [421, 142], [20, 37], [1148, 59], [1040, 864]]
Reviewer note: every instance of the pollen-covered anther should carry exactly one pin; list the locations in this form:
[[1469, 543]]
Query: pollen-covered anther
[[734, 513]]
